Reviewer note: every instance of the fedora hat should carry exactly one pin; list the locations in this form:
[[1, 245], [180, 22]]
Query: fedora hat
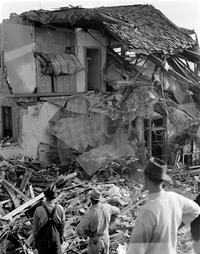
[[95, 194], [157, 169]]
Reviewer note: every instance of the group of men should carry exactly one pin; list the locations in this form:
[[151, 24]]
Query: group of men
[[155, 229]]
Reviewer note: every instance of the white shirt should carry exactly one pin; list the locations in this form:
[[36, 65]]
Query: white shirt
[[156, 227]]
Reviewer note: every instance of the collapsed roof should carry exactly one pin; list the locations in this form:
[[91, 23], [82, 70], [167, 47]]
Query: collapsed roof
[[141, 28]]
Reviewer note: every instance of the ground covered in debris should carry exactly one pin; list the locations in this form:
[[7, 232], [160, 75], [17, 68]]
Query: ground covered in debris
[[21, 189]]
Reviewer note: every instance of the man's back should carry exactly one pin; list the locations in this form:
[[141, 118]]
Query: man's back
[[97, 219], [40, 216], [95, 224], [156, 228]]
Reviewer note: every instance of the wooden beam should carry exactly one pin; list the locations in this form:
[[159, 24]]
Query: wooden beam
[[12, 195], [132, 206], [131, 83], [35, 95], [193, 54], [31, 191], [139, 127], [186, 66], [21, 208], [61, 182], [161, 64], [15, 189], [128, 91]]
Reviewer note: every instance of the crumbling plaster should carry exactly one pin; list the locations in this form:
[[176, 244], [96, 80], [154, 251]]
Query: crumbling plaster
[[18, 46]]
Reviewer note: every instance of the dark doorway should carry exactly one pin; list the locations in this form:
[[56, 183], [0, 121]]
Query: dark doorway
[[93, 69], [7, 122]]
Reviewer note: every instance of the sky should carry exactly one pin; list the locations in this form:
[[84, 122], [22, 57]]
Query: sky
[[184, 13]]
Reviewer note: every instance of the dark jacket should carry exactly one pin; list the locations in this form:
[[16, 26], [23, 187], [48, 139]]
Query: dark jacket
[[40, 221]]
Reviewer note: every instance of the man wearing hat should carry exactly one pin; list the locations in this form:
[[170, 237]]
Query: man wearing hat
[[95, 223], [48, 238], [155, 230]]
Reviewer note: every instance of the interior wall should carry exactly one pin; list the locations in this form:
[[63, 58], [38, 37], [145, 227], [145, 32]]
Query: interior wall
[[18, 46], [54, 41], [85, 40], [34, 127], [5, 102]]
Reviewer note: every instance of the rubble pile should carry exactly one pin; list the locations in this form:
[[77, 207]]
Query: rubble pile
[[22, 184]]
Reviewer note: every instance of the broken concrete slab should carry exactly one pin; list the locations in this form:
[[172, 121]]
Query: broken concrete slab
[[88, 166], [81, 132], [98, 157]]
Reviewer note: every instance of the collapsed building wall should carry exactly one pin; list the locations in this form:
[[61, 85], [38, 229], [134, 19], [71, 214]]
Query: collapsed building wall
[[79, 56], [43, 60]]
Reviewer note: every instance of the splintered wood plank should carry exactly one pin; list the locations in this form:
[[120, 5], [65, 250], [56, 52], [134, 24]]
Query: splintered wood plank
[[13, 197], [15, 189], [21, 208], [62, 180], [31, 191], [132, 206]]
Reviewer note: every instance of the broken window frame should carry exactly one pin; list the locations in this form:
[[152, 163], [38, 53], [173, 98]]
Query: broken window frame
[[150, 129]]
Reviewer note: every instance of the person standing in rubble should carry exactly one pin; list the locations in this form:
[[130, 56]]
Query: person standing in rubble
[[195, 224], [48, 224], [95, 224], [156, 227]]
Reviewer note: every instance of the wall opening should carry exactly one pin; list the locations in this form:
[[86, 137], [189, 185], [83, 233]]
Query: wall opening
[[7, 122], [154, 134], [93, 64]]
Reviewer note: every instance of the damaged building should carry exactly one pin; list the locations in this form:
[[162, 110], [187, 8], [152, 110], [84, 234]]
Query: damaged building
[[98, 85]]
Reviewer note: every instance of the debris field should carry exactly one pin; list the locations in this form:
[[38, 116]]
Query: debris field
[[22, 183]]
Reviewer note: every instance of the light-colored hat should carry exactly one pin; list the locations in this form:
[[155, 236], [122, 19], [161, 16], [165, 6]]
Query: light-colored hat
[[157, 169], [95, 194]]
